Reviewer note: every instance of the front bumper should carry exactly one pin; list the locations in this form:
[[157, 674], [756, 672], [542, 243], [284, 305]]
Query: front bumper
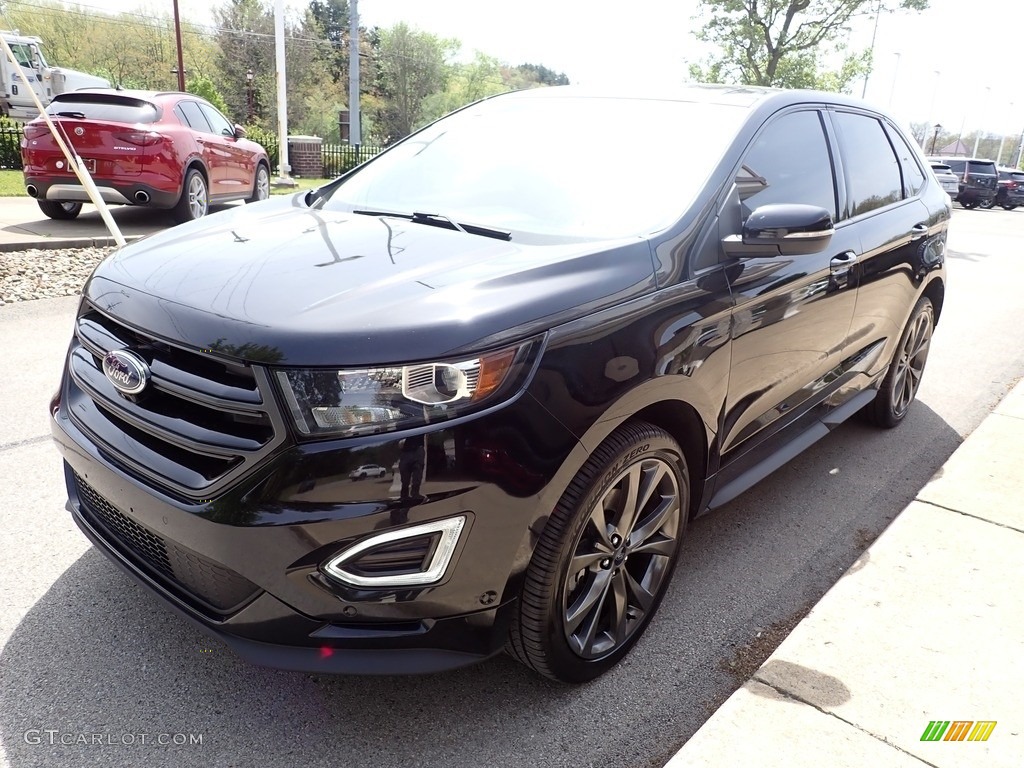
[[246, 567]]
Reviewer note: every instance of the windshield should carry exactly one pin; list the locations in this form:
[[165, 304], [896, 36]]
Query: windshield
[[564, 166]]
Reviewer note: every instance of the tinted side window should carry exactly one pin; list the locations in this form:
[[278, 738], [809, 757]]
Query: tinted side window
[[790, 163], [872, 171], [958, 166], [913, 176], [217, 121], [194, 117]]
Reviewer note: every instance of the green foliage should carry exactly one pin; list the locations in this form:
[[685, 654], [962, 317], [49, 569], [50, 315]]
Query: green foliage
[[10, 144], [203, 87], [412, 66], [267, 139], [777, 42]]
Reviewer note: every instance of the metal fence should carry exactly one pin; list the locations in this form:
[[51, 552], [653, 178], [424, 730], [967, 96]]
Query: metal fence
[[337, 158], [10, 145]]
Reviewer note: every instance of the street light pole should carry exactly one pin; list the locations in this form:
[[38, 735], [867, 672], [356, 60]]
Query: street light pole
[[984, 105], [935, 137], [248, 81]]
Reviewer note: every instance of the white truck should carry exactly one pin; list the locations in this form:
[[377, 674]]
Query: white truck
[[46, 81]]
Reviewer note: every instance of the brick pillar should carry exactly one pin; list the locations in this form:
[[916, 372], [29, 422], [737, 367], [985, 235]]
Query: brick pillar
[[305, 156]]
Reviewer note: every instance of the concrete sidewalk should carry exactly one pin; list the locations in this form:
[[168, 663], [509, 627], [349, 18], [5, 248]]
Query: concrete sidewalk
[[927, 625], [23, 225]]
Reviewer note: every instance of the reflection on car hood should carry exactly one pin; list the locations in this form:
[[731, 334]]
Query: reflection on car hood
[[280, 282]]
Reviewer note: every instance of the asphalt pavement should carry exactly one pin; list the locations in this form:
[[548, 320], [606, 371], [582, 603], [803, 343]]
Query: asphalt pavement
[[923, 624]]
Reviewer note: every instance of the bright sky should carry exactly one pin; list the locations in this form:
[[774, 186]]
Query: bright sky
[[971, 45]]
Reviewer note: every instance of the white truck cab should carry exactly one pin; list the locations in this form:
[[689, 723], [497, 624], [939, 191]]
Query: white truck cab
[[46, 81]]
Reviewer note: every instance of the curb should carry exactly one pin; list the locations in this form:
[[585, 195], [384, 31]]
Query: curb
[[60, 243]]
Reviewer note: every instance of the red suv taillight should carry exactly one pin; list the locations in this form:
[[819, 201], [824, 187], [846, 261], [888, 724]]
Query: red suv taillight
[[36, 130], [138, 138]]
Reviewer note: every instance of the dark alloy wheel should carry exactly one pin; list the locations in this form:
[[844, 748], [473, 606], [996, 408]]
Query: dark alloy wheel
[[900, 385], [605, 557], [986, 204], [56, 210]]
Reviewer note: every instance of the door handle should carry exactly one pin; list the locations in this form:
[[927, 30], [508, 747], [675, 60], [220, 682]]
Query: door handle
[[840, 267], [918, 231]]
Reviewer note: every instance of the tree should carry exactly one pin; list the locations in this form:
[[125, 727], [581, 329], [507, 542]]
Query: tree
[[203, 87], [245, 35], [411, 66], [777, 42]]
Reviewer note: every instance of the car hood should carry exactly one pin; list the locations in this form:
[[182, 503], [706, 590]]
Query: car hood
[[278, 282]]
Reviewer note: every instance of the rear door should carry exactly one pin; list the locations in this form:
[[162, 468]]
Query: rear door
[[211, 146], [793, 313], [884, 180], [239, 166]]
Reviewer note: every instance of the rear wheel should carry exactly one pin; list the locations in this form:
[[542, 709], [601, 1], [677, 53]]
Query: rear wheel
[[1009, 207], [605, 557], [261, 185], [195, 199], [56, 210], [970, 205], [900, 385], [986, 204]]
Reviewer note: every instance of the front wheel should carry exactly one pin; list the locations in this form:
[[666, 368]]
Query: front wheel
[[900, 385], [62, 211], [1008, 207], [970, 205], [195, 199], [604, 559], [986, 204]]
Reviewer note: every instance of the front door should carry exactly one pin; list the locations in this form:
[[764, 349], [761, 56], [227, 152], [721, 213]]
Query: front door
[[792, 313]]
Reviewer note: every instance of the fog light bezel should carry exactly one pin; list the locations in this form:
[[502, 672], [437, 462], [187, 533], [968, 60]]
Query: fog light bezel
[[450, 530]]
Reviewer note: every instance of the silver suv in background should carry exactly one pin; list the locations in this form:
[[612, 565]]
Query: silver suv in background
[[977, 180], [949, 181]]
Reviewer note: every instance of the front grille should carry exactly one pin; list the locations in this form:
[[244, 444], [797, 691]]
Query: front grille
[[201, 421], [211, 584]]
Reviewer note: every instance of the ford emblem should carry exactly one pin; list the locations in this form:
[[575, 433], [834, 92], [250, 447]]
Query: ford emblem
[[127, 371]]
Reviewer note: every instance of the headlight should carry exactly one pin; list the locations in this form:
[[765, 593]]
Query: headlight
[[349, 402]]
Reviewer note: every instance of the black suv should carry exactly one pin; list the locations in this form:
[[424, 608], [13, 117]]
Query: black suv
[[565, 354], [1010, 193], [978, 180]]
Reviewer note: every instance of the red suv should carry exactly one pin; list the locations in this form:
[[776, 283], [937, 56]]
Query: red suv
[[163, 150]]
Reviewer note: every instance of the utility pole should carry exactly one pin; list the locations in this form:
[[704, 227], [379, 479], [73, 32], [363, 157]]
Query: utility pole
[[283, 179], [871, 65], [354, 118], [177, 40]]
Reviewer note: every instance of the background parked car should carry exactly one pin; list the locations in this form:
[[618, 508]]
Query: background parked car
[[977, 178], [1010, 191], [367, 470], [946, 177], [163, 150]]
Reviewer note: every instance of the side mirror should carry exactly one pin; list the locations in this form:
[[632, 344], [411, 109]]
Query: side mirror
[[782, 230], [239, 132]]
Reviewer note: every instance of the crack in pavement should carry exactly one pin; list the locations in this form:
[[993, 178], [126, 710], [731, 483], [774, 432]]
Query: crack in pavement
[[968, 514], [794, 697], [23, 443]]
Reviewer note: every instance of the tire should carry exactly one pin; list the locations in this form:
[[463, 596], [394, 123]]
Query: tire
[[986, 204], [1008, 207], [901, 382], [970, 205], [194, 202], [61, 211], [593, 585], [260, 185]]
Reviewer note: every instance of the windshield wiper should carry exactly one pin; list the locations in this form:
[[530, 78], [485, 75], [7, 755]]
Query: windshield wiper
[[439, 220], [79, 115]]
